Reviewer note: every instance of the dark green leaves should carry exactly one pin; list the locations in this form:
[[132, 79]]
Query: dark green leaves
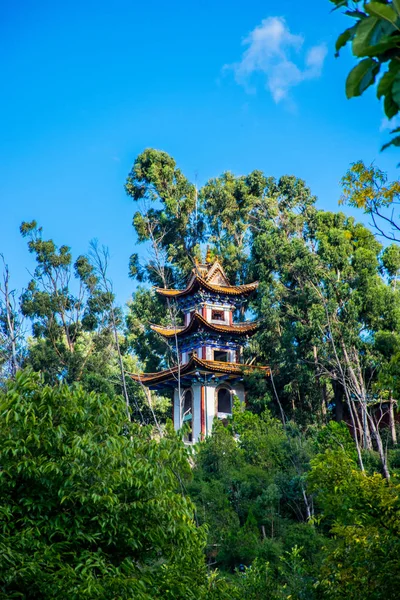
[[396, 85], [364, 31], [91, 506], [376, 40], [382, 11], [167, 215], [393, 142], [387, 80], [361, 77], [344, 37]]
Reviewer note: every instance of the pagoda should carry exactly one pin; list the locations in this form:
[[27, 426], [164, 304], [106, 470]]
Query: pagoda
[[210, 349]]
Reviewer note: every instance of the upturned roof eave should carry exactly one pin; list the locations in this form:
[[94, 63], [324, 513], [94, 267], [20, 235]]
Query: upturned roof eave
[[245, 329], [196, 364], [197, 281]]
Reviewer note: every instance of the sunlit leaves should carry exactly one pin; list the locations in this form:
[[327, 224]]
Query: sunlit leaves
[[381, 10], [168, 215]]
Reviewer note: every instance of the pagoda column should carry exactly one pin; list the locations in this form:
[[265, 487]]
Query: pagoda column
[[203, 411], [196, 411]]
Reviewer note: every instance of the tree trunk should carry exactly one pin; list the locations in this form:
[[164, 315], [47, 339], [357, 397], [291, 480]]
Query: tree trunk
[[381, 452], [360, 392], [322, 388], [392, 422]]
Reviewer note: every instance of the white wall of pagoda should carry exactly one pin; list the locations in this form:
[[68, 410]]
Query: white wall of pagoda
[[197, 412], [210, 406], [205, 310], [207, 353]]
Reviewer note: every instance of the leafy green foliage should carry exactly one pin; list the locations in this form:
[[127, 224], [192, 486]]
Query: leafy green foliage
[[364, 515], [72, 335], [168, 215], [229, 204], [146, 309], [91, 506], [375, 40], [249, 488], [368, 188], [320, 288]]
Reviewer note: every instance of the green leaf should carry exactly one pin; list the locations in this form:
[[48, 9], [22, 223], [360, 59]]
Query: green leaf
[[385, 83], [396, 4], [363, 34], [396, 90], [362, 76], [374, 37], [390, 106], [355, 14], [344, 37], [383, 11], [394, 142], [387, 79], [339, 3]]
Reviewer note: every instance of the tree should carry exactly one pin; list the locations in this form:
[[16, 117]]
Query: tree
[[91, 504], [368, 188], [70, 314], [281, 242], [167, 215], [11, 327], [375, 41], [324, 299], [229, 204]]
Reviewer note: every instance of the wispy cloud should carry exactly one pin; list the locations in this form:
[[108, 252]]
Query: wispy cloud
[[270, 52], [387, 125]]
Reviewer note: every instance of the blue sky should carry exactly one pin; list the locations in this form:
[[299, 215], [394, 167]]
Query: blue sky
[[86, 86]]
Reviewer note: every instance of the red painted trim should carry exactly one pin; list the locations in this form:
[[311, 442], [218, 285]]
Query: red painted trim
[[204, 353], [203, 412], [204, 313], [230, 317]]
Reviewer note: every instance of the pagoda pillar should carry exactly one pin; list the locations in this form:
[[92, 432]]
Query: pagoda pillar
[[203, 412]]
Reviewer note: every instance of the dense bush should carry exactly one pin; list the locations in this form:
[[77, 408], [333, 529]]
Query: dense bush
[[91, 506]]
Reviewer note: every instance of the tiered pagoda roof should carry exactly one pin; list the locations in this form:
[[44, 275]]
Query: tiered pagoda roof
[[210, 278], [197, 322], [196, 367]]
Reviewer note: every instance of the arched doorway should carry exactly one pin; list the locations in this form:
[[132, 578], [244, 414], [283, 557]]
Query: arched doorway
[[187, 414], [224, 401]]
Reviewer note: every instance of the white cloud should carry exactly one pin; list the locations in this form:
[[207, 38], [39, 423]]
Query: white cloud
[[387, 125], [270, 49]]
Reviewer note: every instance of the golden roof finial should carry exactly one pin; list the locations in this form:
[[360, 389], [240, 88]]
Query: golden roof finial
[[208, 255]]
